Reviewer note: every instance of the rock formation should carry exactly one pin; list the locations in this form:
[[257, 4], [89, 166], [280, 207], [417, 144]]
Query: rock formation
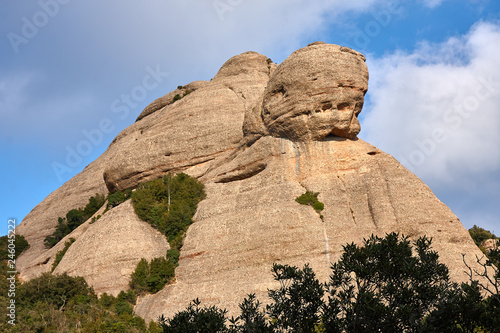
[[258, 135]]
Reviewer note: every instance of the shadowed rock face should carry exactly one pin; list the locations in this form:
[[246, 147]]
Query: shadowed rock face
[[317, 91], [258, 135]]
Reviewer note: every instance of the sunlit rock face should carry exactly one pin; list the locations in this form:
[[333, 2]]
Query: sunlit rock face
[[258, 135], [319, 90]]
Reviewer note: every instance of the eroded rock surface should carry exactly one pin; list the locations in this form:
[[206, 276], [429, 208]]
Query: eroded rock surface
[[109, 250], [258, 135]]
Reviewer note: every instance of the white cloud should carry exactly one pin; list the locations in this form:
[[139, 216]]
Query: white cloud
[[437, 110]]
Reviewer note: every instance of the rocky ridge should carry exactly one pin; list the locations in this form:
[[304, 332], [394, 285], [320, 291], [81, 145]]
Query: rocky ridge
[[258, 135]]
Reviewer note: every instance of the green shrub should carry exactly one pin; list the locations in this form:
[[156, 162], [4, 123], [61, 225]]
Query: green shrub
[[61, 303], [386, 285], [311, 199], [60, 254], [139, 277], [153, 276], [74, 218], [176, 98], [479, 235], [169, 204], [173, 256], [20, 245], [114, 199]]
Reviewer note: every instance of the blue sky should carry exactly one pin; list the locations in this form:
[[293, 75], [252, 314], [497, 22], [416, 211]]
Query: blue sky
[[67, 66]]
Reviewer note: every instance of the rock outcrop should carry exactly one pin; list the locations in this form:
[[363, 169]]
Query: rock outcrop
[[258, 135]]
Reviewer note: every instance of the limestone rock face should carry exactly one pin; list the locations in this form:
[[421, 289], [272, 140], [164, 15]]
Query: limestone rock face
[[317, 91], [113, 244], [168, 99], [192, 131], [258, 135], [255, 221]]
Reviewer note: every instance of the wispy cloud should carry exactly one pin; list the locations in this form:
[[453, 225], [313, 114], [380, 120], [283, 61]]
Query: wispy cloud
[[431, 3], [436, 110]]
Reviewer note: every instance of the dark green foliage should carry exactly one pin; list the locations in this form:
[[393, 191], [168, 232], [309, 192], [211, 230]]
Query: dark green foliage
[[114, 199], [252, 319], [479, 235], [152, 277], [179, 87], [176, 98], [173, 256], [20, 245], [62, 230], [169, 204], [61, 303], [56, 290], [459, 310], [139, 277], [311, 199], [489, 284], [60, 254], [384, 286], [196, 319], [93, 206], [124, 302], [74, 218], [297, 303]]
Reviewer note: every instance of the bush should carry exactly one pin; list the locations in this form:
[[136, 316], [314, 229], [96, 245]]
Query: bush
[[74, 218], [114, 199], [60, 254], [311, 199], [169, 204], [386, 285], [20, 245], [195, 319], [61, 303], [176, 98], [479, 235], [297, 303], [153, 276]]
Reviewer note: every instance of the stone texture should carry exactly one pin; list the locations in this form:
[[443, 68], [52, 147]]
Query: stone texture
[[168, 99], [248, 223], [258, 135], [192, 131], [183, 136], [109, 250], [316, 91]]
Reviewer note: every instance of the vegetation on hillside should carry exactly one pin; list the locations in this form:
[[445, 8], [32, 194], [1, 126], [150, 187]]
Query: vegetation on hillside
[[169, 205], [114, 199], [479, 235], [74, 218], [60, 254], [20, 244], [61, 303], [386, 285], [311, 199]]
